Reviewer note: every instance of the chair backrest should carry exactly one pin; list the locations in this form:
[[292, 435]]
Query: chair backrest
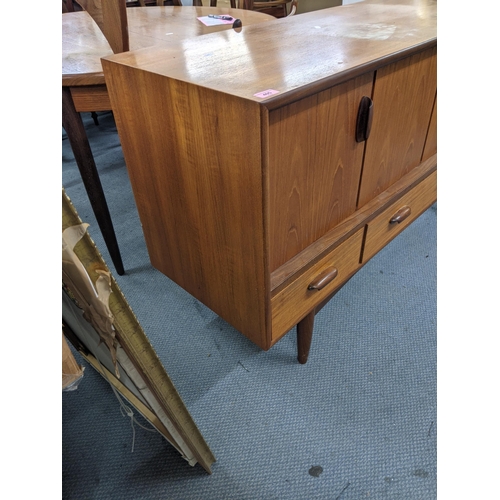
[[67, 6], [111, 17], [278, 8], [160, 3]]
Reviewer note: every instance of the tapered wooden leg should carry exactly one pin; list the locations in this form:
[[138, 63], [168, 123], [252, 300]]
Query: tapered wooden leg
[[305, 327], [304, 337], [72, 123]]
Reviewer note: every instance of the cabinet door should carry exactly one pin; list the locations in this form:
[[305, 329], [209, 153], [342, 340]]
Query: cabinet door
[[314, 167], [403, 100], [431, 141]]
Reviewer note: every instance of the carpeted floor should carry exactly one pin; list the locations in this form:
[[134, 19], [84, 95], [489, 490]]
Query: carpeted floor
[[357, 421]]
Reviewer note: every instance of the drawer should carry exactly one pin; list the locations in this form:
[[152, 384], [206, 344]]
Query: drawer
[[386, 226], [292, 303]]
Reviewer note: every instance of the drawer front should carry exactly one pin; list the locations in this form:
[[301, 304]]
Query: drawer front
[[292, 303], [402, 213]]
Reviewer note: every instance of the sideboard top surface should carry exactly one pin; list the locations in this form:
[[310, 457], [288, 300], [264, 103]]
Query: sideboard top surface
[[285, 56]]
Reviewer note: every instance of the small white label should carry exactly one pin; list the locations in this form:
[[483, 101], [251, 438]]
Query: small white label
[[266, 93]]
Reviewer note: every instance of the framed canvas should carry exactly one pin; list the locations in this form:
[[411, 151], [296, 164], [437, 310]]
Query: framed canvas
[[102, 327]]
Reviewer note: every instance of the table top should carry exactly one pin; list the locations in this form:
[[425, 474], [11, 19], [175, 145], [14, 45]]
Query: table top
[[319, 49], [83, 43]]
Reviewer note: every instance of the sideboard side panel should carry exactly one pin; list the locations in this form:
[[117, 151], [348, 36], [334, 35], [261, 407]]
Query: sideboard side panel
[[197, 182]]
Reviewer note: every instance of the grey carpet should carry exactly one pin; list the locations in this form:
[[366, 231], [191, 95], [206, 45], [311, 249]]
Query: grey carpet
[[357, 421]]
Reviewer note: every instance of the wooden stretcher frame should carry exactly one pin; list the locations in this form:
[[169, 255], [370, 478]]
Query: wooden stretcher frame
[[169, 416]]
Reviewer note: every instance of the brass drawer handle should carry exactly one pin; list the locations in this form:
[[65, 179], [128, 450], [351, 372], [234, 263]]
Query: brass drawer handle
[[328, 275], [401, 215]]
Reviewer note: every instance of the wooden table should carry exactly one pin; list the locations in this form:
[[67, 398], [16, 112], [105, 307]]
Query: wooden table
[[84, 87]]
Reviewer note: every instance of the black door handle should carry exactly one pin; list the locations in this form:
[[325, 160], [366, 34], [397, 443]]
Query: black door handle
[[364, 121]]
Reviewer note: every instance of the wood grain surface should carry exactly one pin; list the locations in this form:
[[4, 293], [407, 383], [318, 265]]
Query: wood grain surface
[[310, 255], [83, 43], [244, 162], [314, 167], [198, 188], [403, 100], [380, 230], [330, 44], [296, 300]]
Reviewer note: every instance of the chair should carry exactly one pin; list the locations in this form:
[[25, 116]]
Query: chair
[[148, 3], [67, 6], [111, 17], [276, 8]]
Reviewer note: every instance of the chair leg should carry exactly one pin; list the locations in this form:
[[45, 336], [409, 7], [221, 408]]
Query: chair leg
[[94, 117], [304, 337], [72, 123]]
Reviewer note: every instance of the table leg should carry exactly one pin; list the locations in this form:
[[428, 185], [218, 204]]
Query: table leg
[[72, 123]]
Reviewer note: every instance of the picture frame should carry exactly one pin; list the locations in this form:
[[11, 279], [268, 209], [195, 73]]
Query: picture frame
[[100, 324]]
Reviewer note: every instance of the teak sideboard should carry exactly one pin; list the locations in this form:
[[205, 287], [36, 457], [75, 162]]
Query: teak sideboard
[[269, 164]]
